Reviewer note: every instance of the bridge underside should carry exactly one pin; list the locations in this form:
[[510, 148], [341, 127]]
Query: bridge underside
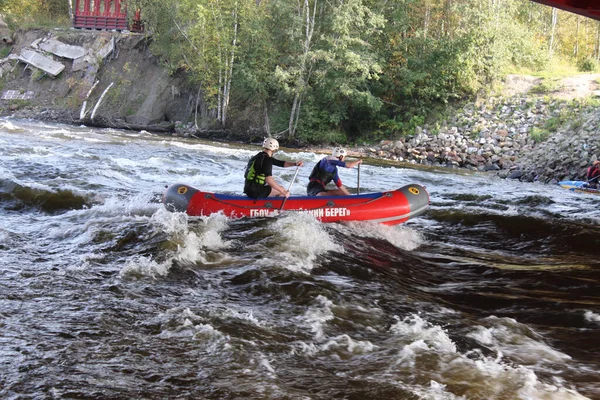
[[587, 8]]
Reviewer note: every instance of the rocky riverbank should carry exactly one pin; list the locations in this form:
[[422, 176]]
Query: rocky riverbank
[[522, 137]]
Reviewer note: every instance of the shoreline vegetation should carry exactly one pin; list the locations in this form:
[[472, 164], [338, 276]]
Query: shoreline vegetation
[[424, 83]]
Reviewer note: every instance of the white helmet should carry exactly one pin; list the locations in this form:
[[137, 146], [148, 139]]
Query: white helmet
[[338, 152], [271, 144]]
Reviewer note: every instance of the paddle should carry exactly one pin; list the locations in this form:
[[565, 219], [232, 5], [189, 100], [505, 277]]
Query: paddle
[[358, 180], [290, 187]]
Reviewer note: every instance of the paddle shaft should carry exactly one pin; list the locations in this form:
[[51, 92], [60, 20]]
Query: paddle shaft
[[358, 180], [290, 187]]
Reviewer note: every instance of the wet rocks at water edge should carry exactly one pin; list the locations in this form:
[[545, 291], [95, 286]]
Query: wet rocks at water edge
[[513, 137], [452, 148]]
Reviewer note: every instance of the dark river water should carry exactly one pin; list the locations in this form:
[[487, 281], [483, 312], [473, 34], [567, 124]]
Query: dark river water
[[493, 293]]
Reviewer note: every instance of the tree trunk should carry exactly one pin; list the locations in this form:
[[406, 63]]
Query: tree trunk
[[293, 114], [598, 40], [100, 101], [303, 78], [576, 46], [448, 12], [71, 12], [553, 31], [84, 106], [196, 108], [267, 122], [426, 21], [229, 70]]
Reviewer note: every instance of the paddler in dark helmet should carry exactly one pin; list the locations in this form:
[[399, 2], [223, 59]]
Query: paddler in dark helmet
[[259, 172], [326, 171]]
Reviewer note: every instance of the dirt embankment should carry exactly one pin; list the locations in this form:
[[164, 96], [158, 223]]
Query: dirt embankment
[[117, 80], [568, 88]]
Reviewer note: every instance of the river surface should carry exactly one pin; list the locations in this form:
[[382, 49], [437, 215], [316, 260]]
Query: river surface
[[493, 293]]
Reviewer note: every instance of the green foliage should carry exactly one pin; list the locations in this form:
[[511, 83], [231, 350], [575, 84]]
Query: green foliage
[[588, 64], [553, 123], [546, 86], [37, 74], [402, 127], [347, 70], [428, 66], [539, 135], [590, 103], [567, 113], [117, 96], [576, 124], [328, 136], [35, 13], [18, 104], [4, 52]]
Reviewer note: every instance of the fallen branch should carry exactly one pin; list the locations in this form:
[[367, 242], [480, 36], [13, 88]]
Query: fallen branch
[[83, 111], [100, 101]]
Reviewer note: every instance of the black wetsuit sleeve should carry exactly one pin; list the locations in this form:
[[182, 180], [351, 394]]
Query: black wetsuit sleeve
[[277, 162]]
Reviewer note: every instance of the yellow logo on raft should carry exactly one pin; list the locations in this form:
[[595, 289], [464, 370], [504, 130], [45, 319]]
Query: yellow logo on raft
[[318, 213], [182, 190], [413, 190]]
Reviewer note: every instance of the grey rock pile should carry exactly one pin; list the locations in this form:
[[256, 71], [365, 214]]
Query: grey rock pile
[[521, 138]]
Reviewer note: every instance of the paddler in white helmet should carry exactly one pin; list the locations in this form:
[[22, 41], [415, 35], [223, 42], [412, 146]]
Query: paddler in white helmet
[[326, 171], [259, 172]]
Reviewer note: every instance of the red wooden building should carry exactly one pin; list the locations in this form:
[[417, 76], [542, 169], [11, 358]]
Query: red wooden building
[[103, 14], [587, 8]]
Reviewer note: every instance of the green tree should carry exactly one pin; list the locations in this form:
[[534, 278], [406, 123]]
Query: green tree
[[438, 52], [19, 13], [326, 60], [199, 38]]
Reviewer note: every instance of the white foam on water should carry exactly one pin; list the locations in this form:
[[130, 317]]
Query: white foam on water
[[192, 245], [266, 364], [7, 174], [402, 237], [79, 227], [9, 126], [591, 316], [128, 163], [346, 344], [216, 149], [4, 236], [143, 267], [246, 316], [413, 327], [317, 316], [429, 349], [300, 240], [183, 323], [53, 135], [116, 176], [435, 391], [517, 341], [316, 319]]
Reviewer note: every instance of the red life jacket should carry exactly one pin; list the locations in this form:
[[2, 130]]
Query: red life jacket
[[593, 173]]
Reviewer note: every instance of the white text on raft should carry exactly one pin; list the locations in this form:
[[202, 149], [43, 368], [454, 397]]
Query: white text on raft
[[318, 213]]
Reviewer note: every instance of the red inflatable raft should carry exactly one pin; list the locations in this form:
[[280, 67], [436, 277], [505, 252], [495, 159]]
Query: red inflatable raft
[[389, 208]]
